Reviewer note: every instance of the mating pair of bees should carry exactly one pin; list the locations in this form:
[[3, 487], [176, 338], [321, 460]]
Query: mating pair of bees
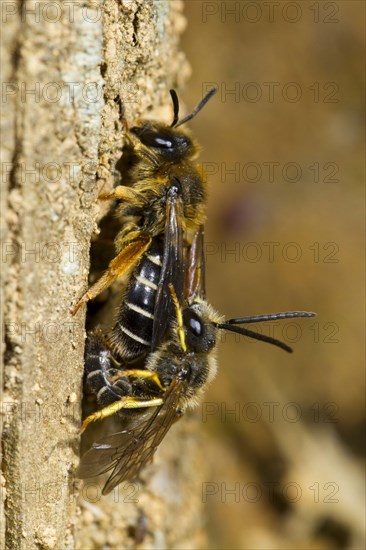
[[160, 355]]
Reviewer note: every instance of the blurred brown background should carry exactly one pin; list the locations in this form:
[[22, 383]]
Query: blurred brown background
[[287, 466]]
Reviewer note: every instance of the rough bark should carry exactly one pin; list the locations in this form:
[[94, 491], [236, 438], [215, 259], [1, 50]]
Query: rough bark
[[63, 65]]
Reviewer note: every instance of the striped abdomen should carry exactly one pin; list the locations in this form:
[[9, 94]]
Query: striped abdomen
[[132, 333]]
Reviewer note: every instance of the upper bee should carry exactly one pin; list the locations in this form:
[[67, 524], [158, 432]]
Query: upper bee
[[163, 195]]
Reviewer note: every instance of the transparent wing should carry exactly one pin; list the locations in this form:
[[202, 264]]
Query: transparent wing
[[195, 284], [128, 451], [172, 271]]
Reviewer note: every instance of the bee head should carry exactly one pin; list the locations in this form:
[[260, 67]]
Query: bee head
[[167, 143], [200, 332]]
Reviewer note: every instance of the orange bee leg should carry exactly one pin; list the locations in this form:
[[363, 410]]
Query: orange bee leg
[[122, 193], [117, 267]]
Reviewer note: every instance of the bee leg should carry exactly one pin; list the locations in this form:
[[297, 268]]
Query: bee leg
[[180, 326], [123, 193], [100, 365], [138, 373], [132, 251], [139, 148], [124, 403]]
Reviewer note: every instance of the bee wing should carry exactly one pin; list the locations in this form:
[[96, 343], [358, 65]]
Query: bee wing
[[172, 271], [128, 451], [195, 284]]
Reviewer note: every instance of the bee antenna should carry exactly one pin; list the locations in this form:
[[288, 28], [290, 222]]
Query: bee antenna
[[255, 336], [270, 317], [175, 100], [197, 109]]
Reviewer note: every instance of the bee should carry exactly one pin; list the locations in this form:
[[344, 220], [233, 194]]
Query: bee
[[161, 176], [172, 379]]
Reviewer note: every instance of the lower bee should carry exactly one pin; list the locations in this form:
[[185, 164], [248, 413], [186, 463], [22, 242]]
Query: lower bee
[[172, 379], [162, 159]]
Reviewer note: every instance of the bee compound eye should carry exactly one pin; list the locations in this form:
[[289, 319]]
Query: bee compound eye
[[161, 142], [193, 323], [195, 326], [152, 138]]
